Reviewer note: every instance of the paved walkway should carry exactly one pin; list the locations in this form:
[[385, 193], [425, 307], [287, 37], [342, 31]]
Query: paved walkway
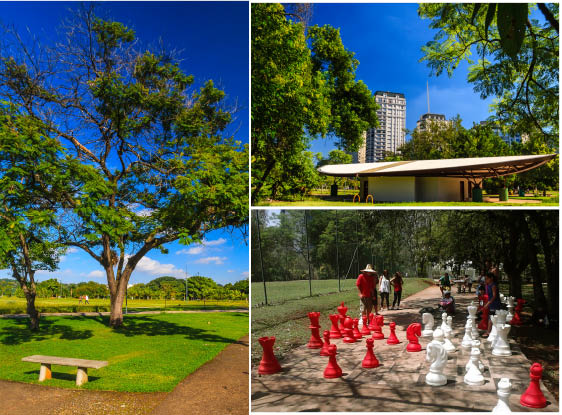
[[107, 313], [398, 385]]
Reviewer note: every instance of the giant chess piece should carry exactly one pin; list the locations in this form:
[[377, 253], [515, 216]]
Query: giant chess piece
[[475, 345], [501, 345], [269, 364], [356, 333], [334, 330], [342, 309], [501, 317], [516, 320], [443, 322], [371, 322], [325, 351], [510, 307], [450, 322], [392, 339], [472, 316], [315, 341], [412, 333], [377, 329], [448, 345], [365, 329], [474, 376], [370, 360], [533, 396], [467, 339], [428, 321], [348, 331], [332, 370], [438, 336], [504, 389], [493, 333], [437, 355]]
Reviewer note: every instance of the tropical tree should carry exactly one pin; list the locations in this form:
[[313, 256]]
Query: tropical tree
[[150, 161]]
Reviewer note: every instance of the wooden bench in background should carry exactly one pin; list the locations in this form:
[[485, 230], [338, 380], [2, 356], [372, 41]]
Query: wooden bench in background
[[81, 364]]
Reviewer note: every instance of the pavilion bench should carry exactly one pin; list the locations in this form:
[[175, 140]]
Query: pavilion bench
[[81, 364]]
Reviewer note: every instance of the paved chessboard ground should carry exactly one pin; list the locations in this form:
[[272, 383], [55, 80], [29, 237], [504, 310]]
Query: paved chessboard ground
[[398, 384]]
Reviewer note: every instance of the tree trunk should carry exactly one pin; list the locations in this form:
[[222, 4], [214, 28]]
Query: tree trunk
[[116, 316], [511, 266], [31, 310], [550, 259], [538, 291]]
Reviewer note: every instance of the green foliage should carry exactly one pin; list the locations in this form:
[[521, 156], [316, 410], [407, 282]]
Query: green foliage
[[300, 91], [517, 58]]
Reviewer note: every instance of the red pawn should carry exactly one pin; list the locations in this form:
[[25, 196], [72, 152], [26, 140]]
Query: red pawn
[[315, 341], [377, 329], [516, 320], [533, 396], [365, 329], [356, 333], [370, 361], [332, 370], [371, 321], [342, 309], [348, 331], [412, 333], [485, 313], [334, 330], [392, 339], [380, 320], [325, 347], [269, 364]]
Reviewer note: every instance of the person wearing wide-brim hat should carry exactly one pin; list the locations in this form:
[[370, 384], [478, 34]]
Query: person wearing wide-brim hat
[[366, 283]]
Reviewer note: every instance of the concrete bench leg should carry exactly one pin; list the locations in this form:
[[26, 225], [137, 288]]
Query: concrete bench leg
[[44, 372], [81, 376]]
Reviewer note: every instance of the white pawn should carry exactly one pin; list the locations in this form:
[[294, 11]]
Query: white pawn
[[428, 321], [472, 316], [437, 355], [501, 346], [467, 339], [448, 345], [444, 322], [504, 388], [474, 376], [493, 333], [450, 322], [475, 344]]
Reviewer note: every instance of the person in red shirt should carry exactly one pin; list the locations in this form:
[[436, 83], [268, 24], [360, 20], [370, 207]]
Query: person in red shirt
[[366, 286], [397, 282]]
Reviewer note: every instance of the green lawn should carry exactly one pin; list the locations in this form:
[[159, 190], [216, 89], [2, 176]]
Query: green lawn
[[289, 322], [14, 305], [152, 353]]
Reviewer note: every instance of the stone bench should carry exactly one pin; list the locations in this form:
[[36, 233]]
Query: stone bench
[[81, 364]]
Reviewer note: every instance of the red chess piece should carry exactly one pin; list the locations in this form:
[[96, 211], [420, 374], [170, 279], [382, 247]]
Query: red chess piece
[[392, 339], [332, 370], [325, 347], [533, 396], [483, 325], [356, 333], [342, 309], [348, 331], [516, 320], [377, 329], [412, 333], [334, 330], [380, 320], [371, 321], [365, 329], [341, 325], [315, 341], [370, 361], [269, 364]]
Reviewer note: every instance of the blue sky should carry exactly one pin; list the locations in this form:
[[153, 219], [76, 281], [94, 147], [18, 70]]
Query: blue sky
[[213, 38], [387, 41]]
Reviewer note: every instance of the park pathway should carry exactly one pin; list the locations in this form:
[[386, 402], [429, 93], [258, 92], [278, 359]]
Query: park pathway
[[398, 384], [218, 387]]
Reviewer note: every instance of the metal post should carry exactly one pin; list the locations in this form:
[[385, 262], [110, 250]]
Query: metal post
[[308, 255], [357, 238], [261, 256], [337, 254]]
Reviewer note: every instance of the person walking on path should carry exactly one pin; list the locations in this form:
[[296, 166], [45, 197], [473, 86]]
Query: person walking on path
[[86, 299], [366, 285], [494, 303], [397, 282], [384, 288]]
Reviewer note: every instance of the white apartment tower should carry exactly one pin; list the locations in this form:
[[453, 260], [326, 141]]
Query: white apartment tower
[[390, 134]]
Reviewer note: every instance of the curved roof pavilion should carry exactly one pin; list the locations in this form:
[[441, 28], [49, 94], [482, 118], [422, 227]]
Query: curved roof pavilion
[[475, 168]]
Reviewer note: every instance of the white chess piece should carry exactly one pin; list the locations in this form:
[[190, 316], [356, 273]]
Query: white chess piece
[[448, 345], [474, 376], [475, 344], [443, 322], [428, 321], [437, 355], [510, 307], [501, 346], [504, 389], [438, 336], [450, 322], [472, 316], [501, 316], [493, 333], [467, 339], [360, 325]]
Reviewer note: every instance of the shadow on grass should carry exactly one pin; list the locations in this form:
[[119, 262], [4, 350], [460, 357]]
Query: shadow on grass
[[19, 332], [62, 376]]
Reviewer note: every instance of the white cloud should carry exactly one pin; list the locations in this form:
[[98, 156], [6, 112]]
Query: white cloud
[[96, 274], [202, 247], [216, 259], [245, 274], [230, 270], [153, 267], [216, 242], [71, 250]]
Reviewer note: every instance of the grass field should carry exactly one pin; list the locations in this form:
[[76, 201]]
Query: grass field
[[14, 305], [152, 353], [281, 291], [289, 322]]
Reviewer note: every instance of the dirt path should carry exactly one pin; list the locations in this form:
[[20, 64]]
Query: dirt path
[[218, 387]]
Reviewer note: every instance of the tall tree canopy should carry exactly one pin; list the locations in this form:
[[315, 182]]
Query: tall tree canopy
[[303, 85], [515, 58], [151, 163]]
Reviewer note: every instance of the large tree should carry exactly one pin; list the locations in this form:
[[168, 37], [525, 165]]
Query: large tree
[[303, 85], [149, 158]]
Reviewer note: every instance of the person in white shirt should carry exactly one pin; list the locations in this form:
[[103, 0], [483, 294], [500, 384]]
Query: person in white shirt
[[384, 288], [86, 300]]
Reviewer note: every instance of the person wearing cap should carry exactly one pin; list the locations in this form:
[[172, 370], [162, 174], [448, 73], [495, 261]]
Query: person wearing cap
[[448, 302], [366, 286]]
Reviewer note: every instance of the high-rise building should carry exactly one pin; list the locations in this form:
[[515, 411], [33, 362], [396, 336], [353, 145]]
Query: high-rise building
[[426, 120], [508, 138], [391, 132]]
